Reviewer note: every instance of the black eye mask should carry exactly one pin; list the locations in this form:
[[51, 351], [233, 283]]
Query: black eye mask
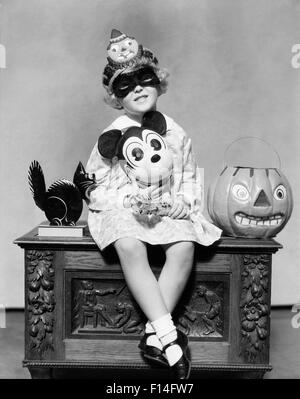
[[125, 83]]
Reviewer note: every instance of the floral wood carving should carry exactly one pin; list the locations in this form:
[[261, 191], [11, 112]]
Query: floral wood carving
[[254, 308], [41, 303]]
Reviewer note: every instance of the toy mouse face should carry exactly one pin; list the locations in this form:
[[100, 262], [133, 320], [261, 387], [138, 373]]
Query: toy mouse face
[[146, 155], [143, 148]]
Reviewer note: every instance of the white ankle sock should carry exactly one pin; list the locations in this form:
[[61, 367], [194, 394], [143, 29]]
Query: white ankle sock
[[152, 340], [166, 332]]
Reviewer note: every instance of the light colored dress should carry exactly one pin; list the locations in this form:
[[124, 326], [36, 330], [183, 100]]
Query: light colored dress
[[109, 221]]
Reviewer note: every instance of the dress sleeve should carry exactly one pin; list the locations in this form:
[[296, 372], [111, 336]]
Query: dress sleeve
[[100, 166], [188, 184], [111, 182], [186, 173], [191, 185]]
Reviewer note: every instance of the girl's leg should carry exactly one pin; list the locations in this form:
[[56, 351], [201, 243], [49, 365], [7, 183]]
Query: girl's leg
[[140, 278], [172, 280], [176, 271], [146, 291]]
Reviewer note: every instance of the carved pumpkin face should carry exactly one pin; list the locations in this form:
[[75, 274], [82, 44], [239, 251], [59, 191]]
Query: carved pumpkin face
[[250, 202]]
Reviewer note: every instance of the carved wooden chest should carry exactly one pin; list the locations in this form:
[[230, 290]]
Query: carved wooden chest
[[80, 319]]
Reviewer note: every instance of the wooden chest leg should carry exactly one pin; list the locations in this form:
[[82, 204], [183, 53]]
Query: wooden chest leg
[[40, 373]]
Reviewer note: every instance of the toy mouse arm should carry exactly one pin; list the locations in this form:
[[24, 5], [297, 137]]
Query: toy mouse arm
[[135, 188]]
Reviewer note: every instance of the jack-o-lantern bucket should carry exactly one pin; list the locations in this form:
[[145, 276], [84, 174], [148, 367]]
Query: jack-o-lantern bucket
[[248, 201]]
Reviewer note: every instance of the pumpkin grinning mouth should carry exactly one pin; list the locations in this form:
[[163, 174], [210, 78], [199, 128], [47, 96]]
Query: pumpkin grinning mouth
[[246, 220]]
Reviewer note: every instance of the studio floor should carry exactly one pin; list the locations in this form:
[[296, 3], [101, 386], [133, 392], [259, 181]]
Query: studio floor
[[284, 347]]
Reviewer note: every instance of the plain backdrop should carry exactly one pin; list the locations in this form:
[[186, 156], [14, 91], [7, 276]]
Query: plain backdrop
[[230, 76]]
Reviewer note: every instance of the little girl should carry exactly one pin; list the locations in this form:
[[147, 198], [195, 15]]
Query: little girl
[[133, 81]]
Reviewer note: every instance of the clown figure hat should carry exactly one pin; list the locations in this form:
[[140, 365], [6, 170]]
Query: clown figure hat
[[125, 53]]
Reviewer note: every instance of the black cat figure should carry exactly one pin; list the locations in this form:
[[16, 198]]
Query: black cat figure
[[62, 202], [85, 182]]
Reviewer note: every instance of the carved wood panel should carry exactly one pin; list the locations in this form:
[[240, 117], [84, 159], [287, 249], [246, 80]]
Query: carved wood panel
[[203, 314], [105, 306], [40, 300], [254, 307]]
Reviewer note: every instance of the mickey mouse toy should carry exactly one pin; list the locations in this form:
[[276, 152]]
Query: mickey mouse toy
[[147, 162], [145, 158]]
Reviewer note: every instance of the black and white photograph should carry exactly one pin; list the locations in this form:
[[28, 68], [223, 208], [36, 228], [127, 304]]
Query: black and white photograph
[[149, 192]]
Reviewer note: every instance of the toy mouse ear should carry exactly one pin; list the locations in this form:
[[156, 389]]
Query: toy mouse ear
[[108, 142], [154, 120]]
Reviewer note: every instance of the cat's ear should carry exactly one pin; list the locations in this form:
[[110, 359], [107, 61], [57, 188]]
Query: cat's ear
[[108, 143], [154, 120]]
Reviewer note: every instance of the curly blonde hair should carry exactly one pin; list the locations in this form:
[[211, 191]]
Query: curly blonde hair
[[162, 88]]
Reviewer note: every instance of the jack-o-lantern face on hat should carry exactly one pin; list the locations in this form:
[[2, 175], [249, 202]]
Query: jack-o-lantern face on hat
[[250, 202], [124, 50]]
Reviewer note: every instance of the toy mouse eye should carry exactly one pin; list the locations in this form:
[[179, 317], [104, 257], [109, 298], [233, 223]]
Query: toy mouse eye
[[279, 192], [155, 144], [154, 140], [137, 153], [240, 192]]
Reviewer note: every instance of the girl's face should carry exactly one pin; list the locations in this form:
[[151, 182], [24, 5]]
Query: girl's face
[[140, 100], [137, 91]]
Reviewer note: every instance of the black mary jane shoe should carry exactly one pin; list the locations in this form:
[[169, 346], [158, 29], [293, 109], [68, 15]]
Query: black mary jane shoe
[[182, 368], [152, 353]]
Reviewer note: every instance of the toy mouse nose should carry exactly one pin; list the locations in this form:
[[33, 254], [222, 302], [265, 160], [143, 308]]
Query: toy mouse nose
[[155, 158]]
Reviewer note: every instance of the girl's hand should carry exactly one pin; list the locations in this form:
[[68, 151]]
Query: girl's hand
[[179, 210], [154, 192]]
